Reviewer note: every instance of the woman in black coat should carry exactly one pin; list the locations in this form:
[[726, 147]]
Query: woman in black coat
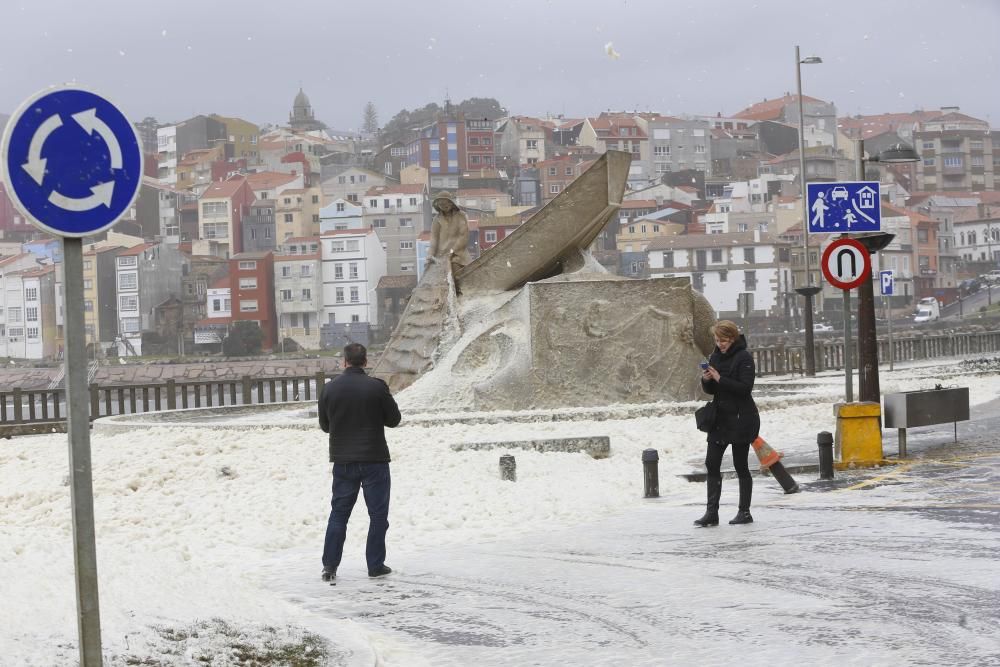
[[729, 378]]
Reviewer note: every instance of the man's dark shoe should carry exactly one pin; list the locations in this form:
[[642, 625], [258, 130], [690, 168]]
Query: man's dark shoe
[[710, 519], [329, 575], [743, 516], [380, 571]]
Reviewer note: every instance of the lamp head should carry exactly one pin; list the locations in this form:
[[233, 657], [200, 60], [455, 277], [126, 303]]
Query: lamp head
[[897, 154], [811, 60]]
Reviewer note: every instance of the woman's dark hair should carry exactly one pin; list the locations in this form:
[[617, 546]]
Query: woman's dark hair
[[355, 354]]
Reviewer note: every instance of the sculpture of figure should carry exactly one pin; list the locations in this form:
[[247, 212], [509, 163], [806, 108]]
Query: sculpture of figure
[[449, 232]]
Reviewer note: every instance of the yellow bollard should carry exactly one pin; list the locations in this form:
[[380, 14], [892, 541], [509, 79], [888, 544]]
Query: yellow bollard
[[859, 433]]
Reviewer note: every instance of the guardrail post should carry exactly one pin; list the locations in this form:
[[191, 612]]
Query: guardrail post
[[650, 473], [824, 440], [18, 409], [247, 395], [171, 394], [508, 468], [320, 381], [95, 402]]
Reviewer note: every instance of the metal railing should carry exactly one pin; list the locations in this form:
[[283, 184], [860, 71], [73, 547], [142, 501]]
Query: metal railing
[[47, 407]]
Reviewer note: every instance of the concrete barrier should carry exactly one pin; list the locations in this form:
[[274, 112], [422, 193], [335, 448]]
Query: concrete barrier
[[599, 446]]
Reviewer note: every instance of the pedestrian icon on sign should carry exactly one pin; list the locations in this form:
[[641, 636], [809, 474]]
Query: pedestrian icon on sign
[[819, 208]]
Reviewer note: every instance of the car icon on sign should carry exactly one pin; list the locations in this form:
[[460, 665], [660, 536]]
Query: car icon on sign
[[839, 192]]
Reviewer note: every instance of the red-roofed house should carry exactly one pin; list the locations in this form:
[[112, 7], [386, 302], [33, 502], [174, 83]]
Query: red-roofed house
[[520, 140], [221, 210], [620, 132], [251, 284], [817, 114]]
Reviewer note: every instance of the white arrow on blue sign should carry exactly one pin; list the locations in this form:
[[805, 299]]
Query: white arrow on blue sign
[[844, 207], [71, 160], [887, 280]]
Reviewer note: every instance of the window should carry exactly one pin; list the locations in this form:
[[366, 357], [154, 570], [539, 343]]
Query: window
[[128, 261], [363, 178], [128, 303], [31, 294], [15, 333], [922, 236], [88, 306], [352, 270], [699, 148], [216, 305], [698, 281], [385, 203], [552, 171], [668, 259], [131, 325], [531, 144], [343, 179], [213, 209], [289, 217], [749, 256], [716, 255], [490, 236], [305, 270], [355, 318], [976, 161], [406, 222], [355, 295], [128, 281], [286, 271], [286, 295], [338, 271], [976, 145], [248, 283], [742, 227], [87, 264], [340, 295], [406, 267], [227, 304], [413, 201], [750, 281], [554, 189], [340, 207], [31, 314], [373, 203], [406, 245], [306, 294], [248, 265], [952, 161], [248, 305], [353, 246], [928, 145], [315, 199]]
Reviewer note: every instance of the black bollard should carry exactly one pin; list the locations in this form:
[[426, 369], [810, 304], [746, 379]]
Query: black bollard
[[650, 473], [508, 468], [824, 440], [784, 478]]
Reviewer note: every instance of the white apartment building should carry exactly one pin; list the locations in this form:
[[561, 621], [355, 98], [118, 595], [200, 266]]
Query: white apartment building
[[298, 291], [166, 145], [398, 214], [353, 262], [722, 266], [12, 315], [341, 214]]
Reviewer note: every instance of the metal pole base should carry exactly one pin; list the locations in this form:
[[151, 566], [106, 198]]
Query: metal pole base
[[785, 479]]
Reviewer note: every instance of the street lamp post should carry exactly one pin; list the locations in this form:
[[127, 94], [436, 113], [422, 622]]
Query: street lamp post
[[868, 380], [808, 291]]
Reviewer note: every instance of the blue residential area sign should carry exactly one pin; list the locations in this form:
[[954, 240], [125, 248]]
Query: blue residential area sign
[[839, 208], [72, 161]]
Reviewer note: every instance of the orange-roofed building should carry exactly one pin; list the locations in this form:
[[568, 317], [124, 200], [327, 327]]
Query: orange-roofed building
[[221, 210]]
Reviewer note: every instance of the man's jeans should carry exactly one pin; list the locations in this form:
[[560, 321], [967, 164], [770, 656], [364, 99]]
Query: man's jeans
[[348, 479]]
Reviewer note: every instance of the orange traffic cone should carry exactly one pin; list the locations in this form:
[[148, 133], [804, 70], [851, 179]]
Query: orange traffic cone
[[767, 456], [771, 460]]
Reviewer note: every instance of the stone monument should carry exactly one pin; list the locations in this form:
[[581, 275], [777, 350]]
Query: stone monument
[[536, 322]]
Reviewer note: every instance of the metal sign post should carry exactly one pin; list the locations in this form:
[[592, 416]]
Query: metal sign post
[[72, 163], [887, 280]]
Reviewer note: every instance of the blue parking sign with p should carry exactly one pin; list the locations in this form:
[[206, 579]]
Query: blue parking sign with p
[[886, 279], [844, 207]]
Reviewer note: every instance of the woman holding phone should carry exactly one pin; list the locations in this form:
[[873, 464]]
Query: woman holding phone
[[729, 376]]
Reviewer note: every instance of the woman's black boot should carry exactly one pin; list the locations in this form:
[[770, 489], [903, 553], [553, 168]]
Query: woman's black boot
[[711, 517], [743, 516]]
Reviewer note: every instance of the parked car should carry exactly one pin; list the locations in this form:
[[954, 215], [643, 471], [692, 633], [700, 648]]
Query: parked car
[[991, 278], [819, 327], [928, 309], [969, 286]]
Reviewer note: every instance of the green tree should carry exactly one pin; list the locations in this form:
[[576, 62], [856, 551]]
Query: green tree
[[244, 339], [370, 122]]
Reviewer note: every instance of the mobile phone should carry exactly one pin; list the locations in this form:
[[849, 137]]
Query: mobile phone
[[704, 365]]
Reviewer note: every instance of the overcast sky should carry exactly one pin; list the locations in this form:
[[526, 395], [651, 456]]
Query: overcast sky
[[175, 59]]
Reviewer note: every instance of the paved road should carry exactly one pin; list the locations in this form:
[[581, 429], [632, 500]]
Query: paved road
[[892, 566]]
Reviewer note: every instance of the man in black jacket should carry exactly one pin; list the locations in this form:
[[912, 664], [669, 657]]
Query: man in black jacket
[[355, 409]]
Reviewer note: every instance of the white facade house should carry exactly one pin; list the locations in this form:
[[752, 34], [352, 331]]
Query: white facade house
[[298, 291], [353, 262], [341, 214], [12, 315], [166, 149], [722, 266], [398, 214], [979, 240]]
